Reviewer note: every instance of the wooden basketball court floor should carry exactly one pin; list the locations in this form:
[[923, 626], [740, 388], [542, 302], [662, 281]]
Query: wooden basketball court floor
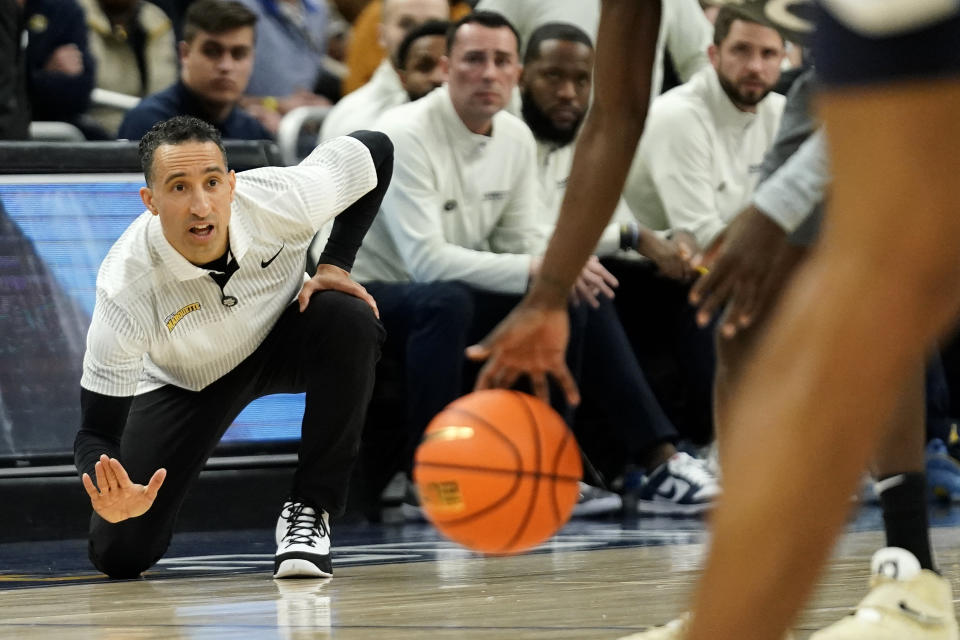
[[597, 579]]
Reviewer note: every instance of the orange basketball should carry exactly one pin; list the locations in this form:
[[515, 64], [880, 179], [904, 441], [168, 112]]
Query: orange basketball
[[498, 471]]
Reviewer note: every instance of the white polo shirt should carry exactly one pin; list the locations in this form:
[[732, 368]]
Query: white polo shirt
[[161, 320], [699, 158], [553, 173], [361, 108], [460, 205]]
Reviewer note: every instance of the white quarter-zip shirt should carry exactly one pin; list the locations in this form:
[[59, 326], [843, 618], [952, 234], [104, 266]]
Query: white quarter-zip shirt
[[699, 158], [361, 108], [553, 172], [161, 320], [460, 205]]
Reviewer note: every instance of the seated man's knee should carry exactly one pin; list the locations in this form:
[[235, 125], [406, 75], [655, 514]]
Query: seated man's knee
[[448, 304]]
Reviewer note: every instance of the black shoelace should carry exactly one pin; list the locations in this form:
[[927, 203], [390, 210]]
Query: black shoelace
[[299, 521]]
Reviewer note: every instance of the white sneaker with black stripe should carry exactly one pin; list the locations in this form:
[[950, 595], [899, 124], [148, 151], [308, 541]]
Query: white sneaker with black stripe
[[303, 542], [683, 485]]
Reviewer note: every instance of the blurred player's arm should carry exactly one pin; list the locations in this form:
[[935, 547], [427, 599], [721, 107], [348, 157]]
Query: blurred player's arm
[[532, 340], [606, 145]]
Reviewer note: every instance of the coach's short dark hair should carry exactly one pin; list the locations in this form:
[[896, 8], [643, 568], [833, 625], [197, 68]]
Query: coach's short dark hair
[[554, 31], [489, 19], [725, 19], [176, 130], [216, 16], [428, 28]]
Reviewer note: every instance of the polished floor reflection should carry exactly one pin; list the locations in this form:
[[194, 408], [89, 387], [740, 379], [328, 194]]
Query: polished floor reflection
[[596, 580]]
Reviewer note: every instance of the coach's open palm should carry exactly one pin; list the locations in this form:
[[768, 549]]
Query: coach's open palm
[[118, 497]]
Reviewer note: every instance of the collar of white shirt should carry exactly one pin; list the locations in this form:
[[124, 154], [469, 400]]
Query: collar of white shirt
[[182, 268]]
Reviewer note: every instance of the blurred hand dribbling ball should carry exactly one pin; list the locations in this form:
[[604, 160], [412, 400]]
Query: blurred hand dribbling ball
[[498, 471]]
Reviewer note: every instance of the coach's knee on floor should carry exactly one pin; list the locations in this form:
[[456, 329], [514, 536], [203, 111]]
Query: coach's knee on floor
[[122, 558]]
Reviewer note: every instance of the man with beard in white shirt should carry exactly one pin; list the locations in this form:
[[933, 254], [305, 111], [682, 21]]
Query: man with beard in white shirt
[[700, 154], [555, 88], [457, 244]]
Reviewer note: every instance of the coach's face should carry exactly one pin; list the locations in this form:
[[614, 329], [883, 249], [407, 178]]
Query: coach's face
[[483, 68], [191, 192]]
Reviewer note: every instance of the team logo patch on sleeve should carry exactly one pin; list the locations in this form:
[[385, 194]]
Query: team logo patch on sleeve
[[172, 319]]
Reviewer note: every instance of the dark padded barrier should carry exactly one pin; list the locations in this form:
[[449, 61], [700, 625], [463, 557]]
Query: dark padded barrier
[[119, 156]]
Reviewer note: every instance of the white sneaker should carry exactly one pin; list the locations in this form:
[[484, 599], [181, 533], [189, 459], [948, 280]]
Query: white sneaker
[[594, 501], [905, 603], [303, 543], [680, 486]]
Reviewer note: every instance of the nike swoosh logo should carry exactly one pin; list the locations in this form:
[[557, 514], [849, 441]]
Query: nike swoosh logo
[[266, 263]]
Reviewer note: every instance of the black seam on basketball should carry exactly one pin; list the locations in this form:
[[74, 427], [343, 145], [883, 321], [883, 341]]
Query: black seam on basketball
[[517, 458], [538, 456], [567, 436], [506, 472]]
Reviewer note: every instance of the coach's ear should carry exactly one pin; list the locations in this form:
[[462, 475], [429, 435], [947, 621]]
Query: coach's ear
[[146, 194]]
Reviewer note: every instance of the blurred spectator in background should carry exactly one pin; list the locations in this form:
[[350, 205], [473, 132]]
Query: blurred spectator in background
[[361, 108], [14, 108], [216, 58], [133, 44], [291, 44], [374, 28], [419, 59], [60, 69]]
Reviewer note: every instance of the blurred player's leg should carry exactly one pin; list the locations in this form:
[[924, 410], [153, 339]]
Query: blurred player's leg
[[882, 287]]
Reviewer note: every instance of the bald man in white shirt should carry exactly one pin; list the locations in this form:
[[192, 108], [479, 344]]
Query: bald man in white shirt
[[457, 244]]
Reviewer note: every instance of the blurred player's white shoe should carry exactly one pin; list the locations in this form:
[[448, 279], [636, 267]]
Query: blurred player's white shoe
[[303, 542], [905, 602], [673, 630]]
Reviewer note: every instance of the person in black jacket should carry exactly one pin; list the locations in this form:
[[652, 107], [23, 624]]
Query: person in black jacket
[[60, 68], [14, 108]]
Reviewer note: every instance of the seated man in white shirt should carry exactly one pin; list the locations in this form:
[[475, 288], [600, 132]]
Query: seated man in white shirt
[[457, 244], [699, 158], [651, 300], [359, 109]]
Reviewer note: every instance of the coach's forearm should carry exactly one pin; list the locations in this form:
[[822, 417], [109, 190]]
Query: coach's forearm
[[103, 420], [350, 227]]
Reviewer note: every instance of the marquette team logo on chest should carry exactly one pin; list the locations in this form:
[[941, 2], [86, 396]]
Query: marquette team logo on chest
[[172, 319]]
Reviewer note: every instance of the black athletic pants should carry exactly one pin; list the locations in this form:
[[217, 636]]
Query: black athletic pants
[[329, 351]]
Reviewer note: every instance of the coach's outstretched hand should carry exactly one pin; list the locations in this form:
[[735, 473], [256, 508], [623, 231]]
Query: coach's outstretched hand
[[329, 276], [531, 341], [118, 497]]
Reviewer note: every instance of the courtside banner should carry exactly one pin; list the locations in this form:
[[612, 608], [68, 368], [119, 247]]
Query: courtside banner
[[55, 229]]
